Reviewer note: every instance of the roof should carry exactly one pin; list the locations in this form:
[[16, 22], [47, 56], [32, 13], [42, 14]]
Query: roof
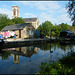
[[15, 6], [67, 31], [15, 27], [30, 19]]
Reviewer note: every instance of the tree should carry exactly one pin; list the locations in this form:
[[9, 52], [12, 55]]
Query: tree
[[45, 28], [58, 28], [64, 26], [18, 20], [71, 10], [4, 21]]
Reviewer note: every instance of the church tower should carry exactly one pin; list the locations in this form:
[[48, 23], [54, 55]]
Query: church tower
[[15, 11]]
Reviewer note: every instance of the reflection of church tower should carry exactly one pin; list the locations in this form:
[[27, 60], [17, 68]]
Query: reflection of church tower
[[16, 59], [15, 11]]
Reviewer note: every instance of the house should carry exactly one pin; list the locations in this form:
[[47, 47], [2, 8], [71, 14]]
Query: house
[[33, 21], [24, 30]]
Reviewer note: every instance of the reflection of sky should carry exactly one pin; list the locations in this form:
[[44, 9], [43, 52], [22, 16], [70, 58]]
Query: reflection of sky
[[26, 66]]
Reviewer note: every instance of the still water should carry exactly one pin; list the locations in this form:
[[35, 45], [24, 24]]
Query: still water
[[27, 59]]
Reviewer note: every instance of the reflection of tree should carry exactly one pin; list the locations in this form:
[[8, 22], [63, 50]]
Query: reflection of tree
[[66, 47], [47, 46], [4, 55]]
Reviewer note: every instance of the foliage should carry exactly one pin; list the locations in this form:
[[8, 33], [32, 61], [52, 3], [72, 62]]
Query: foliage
[[45, 28], [5, 55], [18, 20], [64, 66], [56, 29], [4, 21], [71, 10]]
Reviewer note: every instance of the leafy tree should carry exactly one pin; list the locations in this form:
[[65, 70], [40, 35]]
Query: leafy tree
[[18, 20], [71, 10], [45, 28], [64, 26], [4, 21]]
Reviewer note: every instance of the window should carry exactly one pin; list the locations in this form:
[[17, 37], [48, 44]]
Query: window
[[14, 12]]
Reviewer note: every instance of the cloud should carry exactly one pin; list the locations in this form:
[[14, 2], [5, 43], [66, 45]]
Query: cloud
[[48, 10], [42, 5], [60, 19], [45, 17], [6, 11], [64, 19]]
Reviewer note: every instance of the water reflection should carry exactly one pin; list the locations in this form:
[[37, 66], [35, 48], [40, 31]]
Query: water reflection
[[28, 59], [17, 52]]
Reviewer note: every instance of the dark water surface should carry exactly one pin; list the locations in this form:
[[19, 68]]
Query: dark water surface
[[27, 59]]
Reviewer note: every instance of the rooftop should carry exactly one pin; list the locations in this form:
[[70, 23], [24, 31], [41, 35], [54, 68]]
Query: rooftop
[[30, 19], [15, 27]]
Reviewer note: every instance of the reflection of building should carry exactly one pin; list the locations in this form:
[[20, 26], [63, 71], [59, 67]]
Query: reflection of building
[[36, 50], [23, 51], [28, 51], [16, 59]]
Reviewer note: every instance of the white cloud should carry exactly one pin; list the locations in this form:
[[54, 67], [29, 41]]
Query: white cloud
[[60, 19], [6, 11], [45, 17], [50, 10], [64, 19], [42, 5]]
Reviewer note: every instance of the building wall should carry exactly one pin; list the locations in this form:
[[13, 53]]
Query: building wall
[[25, 32], [35, 24], [17, 33]]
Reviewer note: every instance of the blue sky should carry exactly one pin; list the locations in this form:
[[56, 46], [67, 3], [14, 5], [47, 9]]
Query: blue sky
[[53, 11]]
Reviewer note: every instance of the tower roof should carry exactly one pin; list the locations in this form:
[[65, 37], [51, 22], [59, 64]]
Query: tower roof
[[15, 6]]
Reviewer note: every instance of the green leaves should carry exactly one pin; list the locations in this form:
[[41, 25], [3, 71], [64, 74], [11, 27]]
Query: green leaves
[[5, 21], [18, 20], [71, 10], [64, 66], [45, 28]]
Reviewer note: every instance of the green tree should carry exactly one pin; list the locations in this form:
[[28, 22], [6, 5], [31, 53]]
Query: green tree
[[64, 26], [18, 20], [4, 21], [71, 10], [45, 28]]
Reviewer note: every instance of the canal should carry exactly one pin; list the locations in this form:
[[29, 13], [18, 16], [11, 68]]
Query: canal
[[28, 59]]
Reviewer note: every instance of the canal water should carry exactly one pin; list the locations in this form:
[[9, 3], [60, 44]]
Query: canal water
[[28, 59]]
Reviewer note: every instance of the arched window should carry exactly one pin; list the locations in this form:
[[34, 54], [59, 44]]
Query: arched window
[[14, 12]]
